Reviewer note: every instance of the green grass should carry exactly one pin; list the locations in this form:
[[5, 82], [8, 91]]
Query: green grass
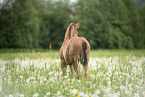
[[40, 53], [112, 73]]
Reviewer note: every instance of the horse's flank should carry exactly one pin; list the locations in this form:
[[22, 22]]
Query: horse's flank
[[79, 46]]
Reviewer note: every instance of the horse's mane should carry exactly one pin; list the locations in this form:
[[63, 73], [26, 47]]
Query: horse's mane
[[70, 30]]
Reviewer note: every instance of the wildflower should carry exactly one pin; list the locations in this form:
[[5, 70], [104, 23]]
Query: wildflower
[[109, 82], [136, 95], [97, 92], [81, 93], [121, 87], [61, 72], [78, 96], [67, 70], [79, 80], [66, 88], [118, 94], [65, 76], [95, 95], [74, 91], [112, 95], [41, 81], [21, 76], [58, 92], [36, 95], [127, 92], [21, 95], [50, 73], [11, 95], [28, 80], [17, 94], [85, 95], [48, 93], [78, 92], [107, 90]]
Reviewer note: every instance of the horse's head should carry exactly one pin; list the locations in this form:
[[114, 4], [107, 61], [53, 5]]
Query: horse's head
[[73, 30]]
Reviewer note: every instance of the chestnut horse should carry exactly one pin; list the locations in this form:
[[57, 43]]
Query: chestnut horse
[[73, 50]]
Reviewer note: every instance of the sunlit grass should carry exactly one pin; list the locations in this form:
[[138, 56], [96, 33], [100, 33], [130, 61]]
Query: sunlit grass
[[39, 74], [40, 53]]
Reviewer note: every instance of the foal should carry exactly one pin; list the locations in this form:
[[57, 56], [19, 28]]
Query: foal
[[73, 50]]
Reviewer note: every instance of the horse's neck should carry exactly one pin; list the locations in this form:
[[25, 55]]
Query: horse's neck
[[66, 36]]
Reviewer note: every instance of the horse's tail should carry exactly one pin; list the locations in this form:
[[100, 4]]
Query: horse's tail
[[84, 53]]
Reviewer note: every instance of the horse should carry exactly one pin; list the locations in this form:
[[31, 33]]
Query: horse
[[73, 50]]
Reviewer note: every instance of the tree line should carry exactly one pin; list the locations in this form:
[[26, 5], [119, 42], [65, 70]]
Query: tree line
[[109, 24]]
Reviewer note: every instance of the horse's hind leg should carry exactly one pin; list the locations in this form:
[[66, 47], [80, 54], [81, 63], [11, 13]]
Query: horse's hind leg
[[63, 66], [71, 69], [85, 70], [76, 67]]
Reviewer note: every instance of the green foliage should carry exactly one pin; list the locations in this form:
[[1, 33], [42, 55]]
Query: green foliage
[[108, 24]]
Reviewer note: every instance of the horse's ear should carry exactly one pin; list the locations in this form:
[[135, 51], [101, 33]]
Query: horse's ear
[[70, 23], [78, 24]]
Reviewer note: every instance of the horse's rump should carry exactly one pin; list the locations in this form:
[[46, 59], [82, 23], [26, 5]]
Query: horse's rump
[[79, 47]]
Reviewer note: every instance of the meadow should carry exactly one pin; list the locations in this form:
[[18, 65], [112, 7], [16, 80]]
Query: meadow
[[37, 73]]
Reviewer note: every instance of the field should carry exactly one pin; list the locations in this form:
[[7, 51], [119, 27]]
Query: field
[[37, 73]]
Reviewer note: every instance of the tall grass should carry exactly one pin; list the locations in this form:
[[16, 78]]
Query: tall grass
[[110, 76]]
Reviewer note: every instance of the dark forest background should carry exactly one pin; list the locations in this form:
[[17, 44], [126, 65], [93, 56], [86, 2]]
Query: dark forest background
[[109, 24]]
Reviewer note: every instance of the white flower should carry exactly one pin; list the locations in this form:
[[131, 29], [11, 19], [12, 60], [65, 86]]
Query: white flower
[[136, 95], [118, 94], [81, 93], [109, 82], [65, 76], [17, 94], [34, 82], [85, 95], [127, 92], [58, 92], [74, 91], [97, 92], [28, 80], [45, 79], [41, 81], [36, 95], [66, 88], [11, 95], [48, 93], [21, 95], [79, 80], [112, 95], [61, 72], [107, 90], [121, 87], [21, 76], [95, 95], [50, 73], [67, 70]]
